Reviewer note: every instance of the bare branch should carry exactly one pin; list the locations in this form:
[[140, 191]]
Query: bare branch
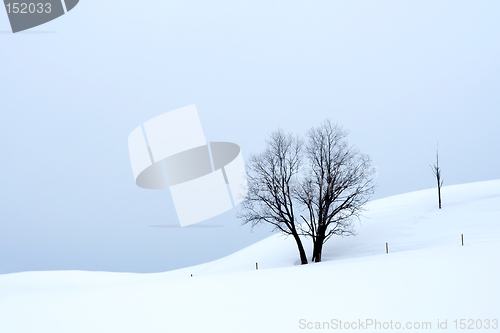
[[337, 186], [436, 170], [271, 184]]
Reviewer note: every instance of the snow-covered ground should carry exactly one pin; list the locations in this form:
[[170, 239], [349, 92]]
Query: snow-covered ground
[[427, 277]]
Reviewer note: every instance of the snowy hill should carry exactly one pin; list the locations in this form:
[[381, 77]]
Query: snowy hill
[[427, 279]]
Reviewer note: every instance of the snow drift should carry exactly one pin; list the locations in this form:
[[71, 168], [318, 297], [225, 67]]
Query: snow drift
[[427, 277]]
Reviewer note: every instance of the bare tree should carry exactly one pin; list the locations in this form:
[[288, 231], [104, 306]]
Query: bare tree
[[337, 185], [437, 172], [272, 183]]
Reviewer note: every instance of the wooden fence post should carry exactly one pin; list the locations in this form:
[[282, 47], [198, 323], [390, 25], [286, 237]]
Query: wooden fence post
[[386, 248]]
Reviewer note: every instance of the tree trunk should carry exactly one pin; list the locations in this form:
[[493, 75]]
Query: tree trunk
[[318, 248], [303, 257], [439, 196]]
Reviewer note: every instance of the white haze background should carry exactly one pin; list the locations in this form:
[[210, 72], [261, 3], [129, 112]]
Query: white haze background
[[400, 76]]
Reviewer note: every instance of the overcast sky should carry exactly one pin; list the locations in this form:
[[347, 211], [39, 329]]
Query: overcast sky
[[401, 76]]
